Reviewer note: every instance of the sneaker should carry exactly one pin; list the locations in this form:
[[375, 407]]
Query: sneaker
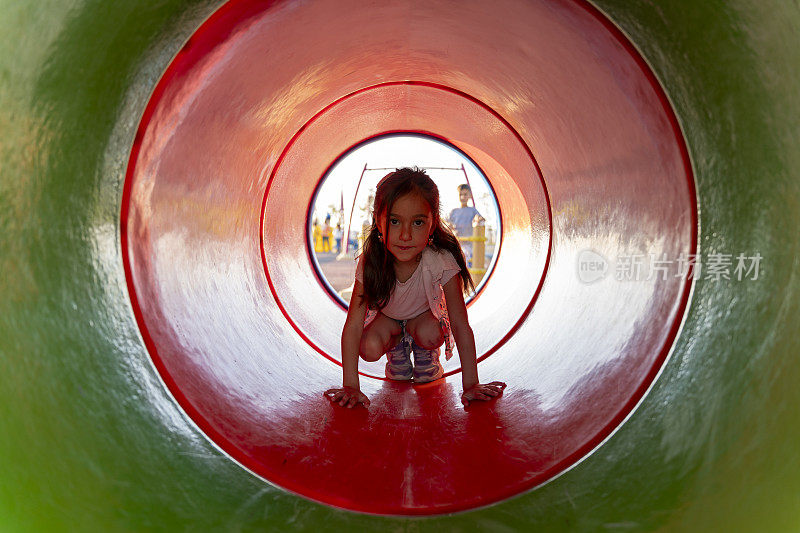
[[398, 361], [426, 364]]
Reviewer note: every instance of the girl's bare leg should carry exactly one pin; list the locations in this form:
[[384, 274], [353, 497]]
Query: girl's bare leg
[[426, 331], [379, 337]]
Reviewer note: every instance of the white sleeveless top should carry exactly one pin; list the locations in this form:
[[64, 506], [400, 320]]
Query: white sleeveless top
[[421, 292], [408, 298]]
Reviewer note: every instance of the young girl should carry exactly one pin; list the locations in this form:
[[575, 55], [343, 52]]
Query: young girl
[[410, 285]]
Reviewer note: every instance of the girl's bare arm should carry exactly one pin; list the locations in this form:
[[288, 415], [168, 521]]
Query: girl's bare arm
[[351, 337], [465, 342], [462, 331], [350, 394]]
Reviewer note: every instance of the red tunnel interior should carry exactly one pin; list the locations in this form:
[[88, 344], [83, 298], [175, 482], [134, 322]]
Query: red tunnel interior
[[586, 159]]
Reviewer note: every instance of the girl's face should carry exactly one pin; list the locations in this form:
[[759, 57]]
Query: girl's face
[[407, 227]]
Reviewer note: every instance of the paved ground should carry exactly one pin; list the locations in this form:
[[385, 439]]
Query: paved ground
[[339, 273]]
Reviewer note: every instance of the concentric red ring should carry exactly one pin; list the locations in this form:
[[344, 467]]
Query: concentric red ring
[[474, 129], [194, 241]]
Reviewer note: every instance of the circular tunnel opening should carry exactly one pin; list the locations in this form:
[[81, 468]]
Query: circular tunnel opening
[[340, 209], [473, 129], [582, 151]]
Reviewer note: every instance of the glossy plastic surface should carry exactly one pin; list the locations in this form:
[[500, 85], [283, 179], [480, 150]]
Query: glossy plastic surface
[[92, 440], [235, 318]]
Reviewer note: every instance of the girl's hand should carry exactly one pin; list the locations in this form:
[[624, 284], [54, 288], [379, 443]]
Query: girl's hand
[[483, 392], [347, 397]]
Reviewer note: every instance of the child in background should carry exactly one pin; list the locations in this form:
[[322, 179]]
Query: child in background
[[408, 297], [316, 236], [337, 235], [461, 218], [326, 235]]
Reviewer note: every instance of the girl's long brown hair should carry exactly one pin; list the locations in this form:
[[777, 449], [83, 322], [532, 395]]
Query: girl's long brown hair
[[379, 276]]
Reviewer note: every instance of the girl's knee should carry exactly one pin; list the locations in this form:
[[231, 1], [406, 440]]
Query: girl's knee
[[429, 336], [430, 342], [374, 346], [371, 348]]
